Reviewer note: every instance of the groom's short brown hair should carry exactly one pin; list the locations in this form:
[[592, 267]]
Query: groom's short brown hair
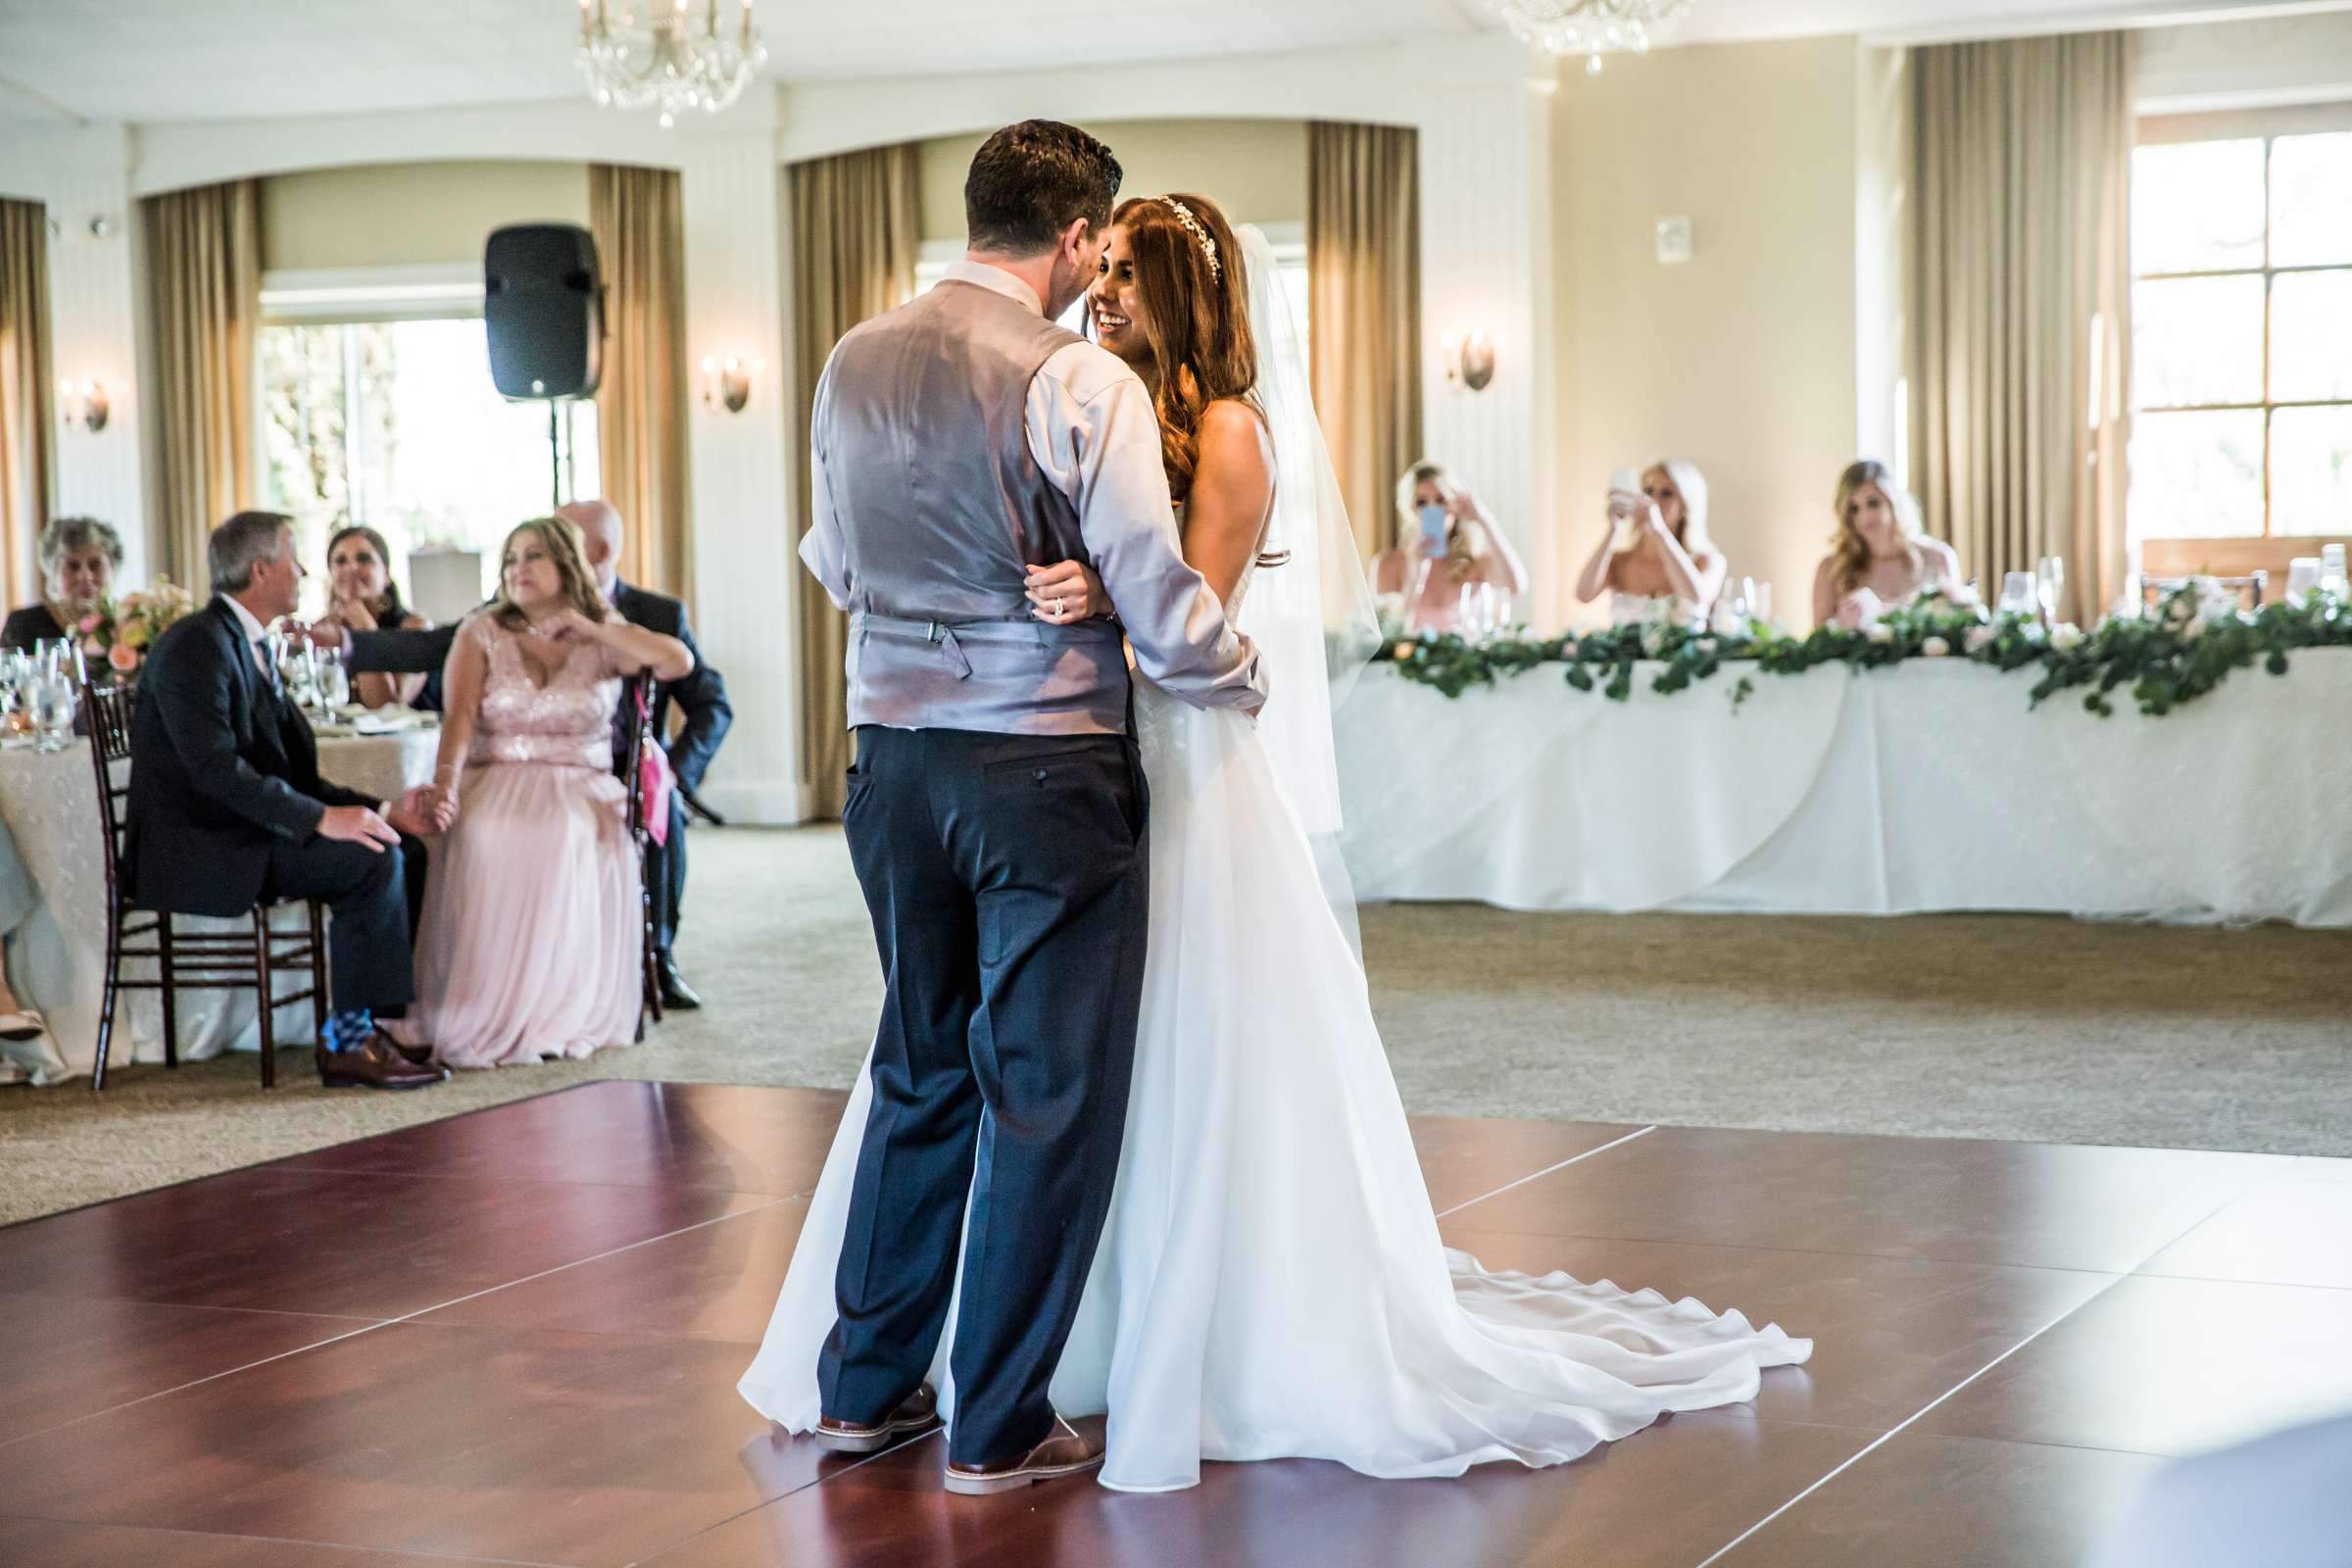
[[1030, 181]]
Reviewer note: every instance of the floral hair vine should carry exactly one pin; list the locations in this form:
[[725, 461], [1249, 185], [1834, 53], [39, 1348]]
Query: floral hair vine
[[1208, 246]]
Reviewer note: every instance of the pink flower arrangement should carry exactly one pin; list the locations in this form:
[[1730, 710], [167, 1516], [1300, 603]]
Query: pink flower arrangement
[[122, 630]]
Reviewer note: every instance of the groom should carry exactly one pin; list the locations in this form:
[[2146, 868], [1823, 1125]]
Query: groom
[[995, 809]]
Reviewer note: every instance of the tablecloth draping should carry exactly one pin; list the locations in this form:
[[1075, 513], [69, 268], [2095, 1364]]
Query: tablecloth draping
[[53, 909], [1926, 786]]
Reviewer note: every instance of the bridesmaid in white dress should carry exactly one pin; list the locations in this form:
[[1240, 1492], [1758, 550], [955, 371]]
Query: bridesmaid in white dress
[[1271, 1282], [527, 948]]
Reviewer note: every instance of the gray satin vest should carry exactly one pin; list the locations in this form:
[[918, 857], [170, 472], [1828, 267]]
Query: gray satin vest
[[941, 510]]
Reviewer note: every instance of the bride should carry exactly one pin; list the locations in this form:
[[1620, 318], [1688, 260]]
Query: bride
[[1271, 1282]]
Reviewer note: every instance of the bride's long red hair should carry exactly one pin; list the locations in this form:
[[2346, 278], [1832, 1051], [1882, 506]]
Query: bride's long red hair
[[1196, 320]]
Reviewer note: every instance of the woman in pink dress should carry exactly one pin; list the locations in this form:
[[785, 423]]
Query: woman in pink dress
[[528, 946]]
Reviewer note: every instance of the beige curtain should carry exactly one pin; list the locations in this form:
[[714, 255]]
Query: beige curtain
[[2022, 298], [640, 233], [856, 225], [1363, 262], [27, 413], [204, 281]]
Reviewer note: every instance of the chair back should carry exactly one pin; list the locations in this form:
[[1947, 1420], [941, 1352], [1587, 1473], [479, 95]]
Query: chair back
[[109, 709], [2249, 588], [636, 726]]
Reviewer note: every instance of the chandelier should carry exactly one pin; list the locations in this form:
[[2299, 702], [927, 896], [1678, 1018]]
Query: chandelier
[[1591, 27], [668, 58]]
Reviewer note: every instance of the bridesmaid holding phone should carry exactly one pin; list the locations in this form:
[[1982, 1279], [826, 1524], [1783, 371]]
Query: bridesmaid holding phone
[[1658, 547], [1449, 541]]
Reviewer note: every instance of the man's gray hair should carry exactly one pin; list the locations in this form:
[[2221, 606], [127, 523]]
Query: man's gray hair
[[64, 535], [242, 543]]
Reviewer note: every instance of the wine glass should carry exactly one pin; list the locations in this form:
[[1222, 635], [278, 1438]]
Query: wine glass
[[53, 703], [331, 678], [2018, 594], [2049, 586], [1759, 603], [1476, 611]]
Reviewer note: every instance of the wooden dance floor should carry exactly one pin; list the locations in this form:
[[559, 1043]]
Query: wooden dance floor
[[513, 1336]]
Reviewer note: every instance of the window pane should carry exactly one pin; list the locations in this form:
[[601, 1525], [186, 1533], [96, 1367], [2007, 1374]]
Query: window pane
[[2311, 470], [2196, 475], [397, 425], [2197, 340], [2311, 336], [464, 465], [2196, 207], [2311, 199]]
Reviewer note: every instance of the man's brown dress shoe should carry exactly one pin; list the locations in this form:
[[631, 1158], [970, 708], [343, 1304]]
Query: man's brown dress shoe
[[373, 1063], [422, 1056], [918, 1412], [1067, 1450]]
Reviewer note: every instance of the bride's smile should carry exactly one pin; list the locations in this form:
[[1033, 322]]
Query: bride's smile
[[1114, 304]]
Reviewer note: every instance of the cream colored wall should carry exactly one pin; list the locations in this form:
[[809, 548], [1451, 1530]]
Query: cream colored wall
[[1255, 168], [377, 215], [1744, 359]]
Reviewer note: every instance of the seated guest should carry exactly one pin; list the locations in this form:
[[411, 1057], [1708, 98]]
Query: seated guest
[[363, 598], [1451, 541], [78, 558], [700, 697], [1658, 547], [532, 914], [227, 809], [1878, 557]]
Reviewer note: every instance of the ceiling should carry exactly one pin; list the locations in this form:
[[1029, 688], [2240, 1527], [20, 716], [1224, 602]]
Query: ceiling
[[163, 60]]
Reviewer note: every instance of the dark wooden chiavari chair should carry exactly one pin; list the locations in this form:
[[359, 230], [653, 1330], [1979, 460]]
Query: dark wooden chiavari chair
[[637, 716], [184, 961], [2249, 588]]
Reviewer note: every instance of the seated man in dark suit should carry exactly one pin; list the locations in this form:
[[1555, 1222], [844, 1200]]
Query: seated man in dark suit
[[227, 809], [701, 699], [702, 702]]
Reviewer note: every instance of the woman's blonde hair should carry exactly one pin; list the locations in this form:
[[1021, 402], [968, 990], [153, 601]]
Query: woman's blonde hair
[[563, 546], [1850, 551]]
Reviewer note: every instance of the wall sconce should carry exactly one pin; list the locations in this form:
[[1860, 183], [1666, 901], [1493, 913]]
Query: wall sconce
[[728, 382], [1469, 360], [84, 403]]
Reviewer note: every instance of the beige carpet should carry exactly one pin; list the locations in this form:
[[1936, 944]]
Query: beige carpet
[[1972, 1026]]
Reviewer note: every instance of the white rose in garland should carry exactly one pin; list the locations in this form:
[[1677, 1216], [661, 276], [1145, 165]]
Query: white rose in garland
[[1978, 638], [1934, 648], [2066, 635], [1878, 631]]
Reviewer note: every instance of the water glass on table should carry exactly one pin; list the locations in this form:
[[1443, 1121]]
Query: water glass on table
[[54, 695], [2331, 572], [2049, 586], [331, 678], [2302, 579], [2018, 594]]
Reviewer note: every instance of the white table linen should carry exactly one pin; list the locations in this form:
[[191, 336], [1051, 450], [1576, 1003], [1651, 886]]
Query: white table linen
[[53, 907], [1926, 786]]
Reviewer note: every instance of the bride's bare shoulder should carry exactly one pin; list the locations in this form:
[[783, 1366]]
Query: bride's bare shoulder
[[1233, 437]]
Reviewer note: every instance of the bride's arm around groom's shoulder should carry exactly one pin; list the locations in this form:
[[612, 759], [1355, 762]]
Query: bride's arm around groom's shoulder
[[1104, 434]]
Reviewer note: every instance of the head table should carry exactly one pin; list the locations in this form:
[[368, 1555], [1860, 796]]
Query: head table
[[1931, 785], [53, 910]]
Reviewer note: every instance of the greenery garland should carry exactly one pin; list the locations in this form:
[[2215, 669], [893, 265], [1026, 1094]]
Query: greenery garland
[[2186, 647]]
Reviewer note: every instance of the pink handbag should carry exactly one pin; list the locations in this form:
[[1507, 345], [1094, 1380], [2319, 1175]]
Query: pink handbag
[[655, 779]]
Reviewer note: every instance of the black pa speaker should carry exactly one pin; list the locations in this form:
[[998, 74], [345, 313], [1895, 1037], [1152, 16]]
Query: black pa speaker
[[544, 306]]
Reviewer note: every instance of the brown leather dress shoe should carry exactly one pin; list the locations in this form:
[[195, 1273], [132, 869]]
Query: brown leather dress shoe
[[373, 1063], [918, 1412], [422, 1056], [1067, 1450]]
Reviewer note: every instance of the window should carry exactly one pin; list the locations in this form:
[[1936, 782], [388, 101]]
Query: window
[[389, 418], [2241, 336]]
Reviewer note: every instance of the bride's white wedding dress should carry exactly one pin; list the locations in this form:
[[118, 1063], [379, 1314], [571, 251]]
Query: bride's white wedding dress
[[1272, 1283]]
